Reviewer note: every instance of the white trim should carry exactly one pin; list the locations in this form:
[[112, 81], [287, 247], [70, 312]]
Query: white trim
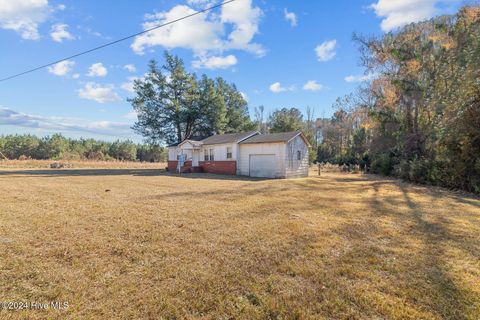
[[245, 138], [303, 138]]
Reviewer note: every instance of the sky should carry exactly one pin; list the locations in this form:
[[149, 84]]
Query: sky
[[282, 53]]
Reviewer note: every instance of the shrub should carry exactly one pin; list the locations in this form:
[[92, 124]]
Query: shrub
[[402, 170], [383, 163], [419, 170]]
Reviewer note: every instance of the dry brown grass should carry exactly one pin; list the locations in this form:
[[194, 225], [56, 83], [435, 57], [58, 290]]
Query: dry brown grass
[[160, 246], [81, 164]]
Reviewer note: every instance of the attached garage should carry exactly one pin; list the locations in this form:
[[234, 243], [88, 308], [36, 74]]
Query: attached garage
[[262, 165], [278, 155]]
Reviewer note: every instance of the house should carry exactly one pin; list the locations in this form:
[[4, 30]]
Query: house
[[277, 155]]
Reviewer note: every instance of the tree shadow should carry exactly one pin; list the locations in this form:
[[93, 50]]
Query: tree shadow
[[447, 298], [123, 172]]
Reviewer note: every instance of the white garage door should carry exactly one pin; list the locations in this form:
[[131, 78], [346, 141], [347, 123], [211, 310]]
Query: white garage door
[[263, 165]]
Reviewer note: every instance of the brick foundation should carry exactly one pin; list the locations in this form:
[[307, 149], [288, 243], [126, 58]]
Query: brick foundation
[[219, 167], [187, 167]]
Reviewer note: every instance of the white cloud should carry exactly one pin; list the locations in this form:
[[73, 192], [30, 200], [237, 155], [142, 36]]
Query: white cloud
[[312, 85], [97, 70], [201, 3], [215, 62], [290, 17], [61, 7], [59, 32], [24, 16], [61, 68], [76, 76], [277, 88], [130, 68], [359, 78], [204, 34], [398, 13], [326, 51], [98, 93], [197, 33], [63, 124], [128, 86], [245, 20]]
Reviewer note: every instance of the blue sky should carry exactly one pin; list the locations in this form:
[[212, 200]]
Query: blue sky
[[281, 53]]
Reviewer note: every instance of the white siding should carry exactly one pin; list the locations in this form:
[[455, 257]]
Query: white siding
[[277, 149], [173, 152], [293, 166], [220, 151]]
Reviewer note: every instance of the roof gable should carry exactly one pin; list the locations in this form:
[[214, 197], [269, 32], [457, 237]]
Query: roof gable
[[275, 137], [228, 138]]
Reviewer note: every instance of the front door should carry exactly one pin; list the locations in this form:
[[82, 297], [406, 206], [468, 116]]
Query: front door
[[195, 157]]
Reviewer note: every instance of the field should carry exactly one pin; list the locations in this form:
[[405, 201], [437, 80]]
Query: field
[[141, 243]]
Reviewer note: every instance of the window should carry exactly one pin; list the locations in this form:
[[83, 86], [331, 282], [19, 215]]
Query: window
[[229, 152], [299, 155], [205, 154], [211, 155]]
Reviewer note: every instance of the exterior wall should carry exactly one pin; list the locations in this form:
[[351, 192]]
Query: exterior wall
[[293, 167], [172, 166], [219, 167], [277, 149], [219, 152], [173, 152]]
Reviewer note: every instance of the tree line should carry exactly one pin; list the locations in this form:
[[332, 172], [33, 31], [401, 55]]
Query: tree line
[[419, 116], [58, 147]]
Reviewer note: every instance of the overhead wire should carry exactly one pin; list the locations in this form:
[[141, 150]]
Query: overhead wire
[[116, 41]]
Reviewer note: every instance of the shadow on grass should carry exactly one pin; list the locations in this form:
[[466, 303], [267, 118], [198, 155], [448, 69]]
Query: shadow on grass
[[429, 266], [122, 172]]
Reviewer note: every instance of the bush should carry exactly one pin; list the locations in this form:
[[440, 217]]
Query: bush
[[383, 163], [419, 170], [402, 170]]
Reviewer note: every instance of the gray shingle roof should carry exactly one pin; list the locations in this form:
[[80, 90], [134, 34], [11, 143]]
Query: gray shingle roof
[[272, 137], [227, 138], [192, 138]]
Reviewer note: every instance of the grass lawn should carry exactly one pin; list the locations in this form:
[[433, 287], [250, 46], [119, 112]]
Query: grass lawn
[[141, 243]]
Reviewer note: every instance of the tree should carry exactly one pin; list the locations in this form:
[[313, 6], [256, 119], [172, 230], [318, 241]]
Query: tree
[[212, 103], [238, 118], [286, 120], [260, 124], [163, 102], [173, 105], [418, 118], [123, 150]]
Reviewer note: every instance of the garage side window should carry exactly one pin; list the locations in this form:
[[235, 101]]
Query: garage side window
[[212, 158], [205, 152], [299, 155], [229, 152]]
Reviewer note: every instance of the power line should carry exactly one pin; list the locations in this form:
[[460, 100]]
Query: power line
[[117, 41]]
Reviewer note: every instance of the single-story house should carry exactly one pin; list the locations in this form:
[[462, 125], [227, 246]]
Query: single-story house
[[277, 155]]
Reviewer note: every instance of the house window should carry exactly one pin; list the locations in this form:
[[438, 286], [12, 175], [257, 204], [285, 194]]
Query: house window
[[211, 155], [229, 153], [206, 154], [299, 155]]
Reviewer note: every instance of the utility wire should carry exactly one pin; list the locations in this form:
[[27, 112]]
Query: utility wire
[[117, 41]]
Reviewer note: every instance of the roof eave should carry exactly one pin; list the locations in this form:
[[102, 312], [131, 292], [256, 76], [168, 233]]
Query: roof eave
[[300, 133]]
